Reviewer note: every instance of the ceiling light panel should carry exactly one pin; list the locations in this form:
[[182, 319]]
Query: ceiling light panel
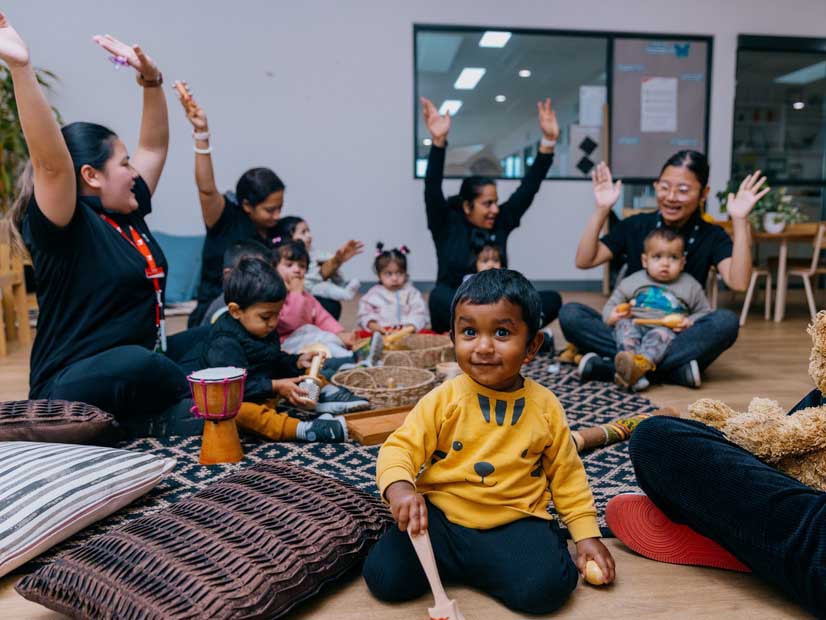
[[469, 78], [494, 38]]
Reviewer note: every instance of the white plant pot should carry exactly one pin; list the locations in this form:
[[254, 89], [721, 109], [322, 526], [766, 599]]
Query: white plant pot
[[773, 222]]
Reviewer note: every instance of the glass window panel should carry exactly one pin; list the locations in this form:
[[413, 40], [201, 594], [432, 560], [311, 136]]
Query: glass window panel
[[495, 131], [779, 115]]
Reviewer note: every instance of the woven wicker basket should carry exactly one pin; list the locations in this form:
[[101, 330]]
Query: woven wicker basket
[[387, 386], [420, 351]]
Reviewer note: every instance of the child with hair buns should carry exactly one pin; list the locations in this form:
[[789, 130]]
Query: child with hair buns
[[394, 302]]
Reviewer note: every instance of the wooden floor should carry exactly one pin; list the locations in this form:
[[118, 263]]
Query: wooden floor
[[769, 360]]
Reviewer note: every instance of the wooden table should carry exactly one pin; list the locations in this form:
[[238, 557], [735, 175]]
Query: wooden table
[[793, 232]]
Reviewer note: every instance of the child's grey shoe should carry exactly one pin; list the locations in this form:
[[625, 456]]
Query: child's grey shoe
[[324, 429], [334, 399], [641, 385], [592, 367], [687, 375]]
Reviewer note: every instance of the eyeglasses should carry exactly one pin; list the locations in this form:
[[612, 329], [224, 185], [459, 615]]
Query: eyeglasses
[[682, 192]]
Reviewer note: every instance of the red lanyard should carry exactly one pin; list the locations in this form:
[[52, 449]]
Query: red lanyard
[[153, 273]]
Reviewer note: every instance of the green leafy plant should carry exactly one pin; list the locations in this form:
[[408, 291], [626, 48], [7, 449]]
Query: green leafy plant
[[778, 200], [13, 150]]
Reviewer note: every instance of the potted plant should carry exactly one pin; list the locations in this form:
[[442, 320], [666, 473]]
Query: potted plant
[[772, 213], [13, 151]]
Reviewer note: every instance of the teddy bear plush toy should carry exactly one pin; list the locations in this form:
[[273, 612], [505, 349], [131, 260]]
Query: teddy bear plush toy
[[794, 444]]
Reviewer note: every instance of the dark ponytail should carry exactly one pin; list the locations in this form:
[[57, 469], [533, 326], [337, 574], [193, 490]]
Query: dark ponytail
[[256, 184], [88, 143]]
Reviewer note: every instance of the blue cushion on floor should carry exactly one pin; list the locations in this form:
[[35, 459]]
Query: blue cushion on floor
[[183, 253]]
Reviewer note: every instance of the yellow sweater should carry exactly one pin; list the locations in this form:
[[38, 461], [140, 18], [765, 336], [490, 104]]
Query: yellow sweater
[[491, 457]]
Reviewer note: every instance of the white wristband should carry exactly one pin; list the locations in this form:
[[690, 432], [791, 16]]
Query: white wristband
[[547, 143], [200, 135], [205, 151]]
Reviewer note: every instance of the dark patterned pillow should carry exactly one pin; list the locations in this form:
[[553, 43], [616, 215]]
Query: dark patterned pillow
[[251, 545], [54, 421]]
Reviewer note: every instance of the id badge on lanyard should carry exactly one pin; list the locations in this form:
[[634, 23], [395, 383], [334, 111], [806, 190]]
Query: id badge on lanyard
[[153, 273]]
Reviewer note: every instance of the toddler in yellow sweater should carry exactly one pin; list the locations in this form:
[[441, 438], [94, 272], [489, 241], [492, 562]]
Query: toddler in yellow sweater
[[496, 450]]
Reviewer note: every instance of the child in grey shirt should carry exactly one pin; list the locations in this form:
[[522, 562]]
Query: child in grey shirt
[[660, 289]]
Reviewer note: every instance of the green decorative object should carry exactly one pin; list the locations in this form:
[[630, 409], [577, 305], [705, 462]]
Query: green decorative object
[[13, 150], [777, 202]]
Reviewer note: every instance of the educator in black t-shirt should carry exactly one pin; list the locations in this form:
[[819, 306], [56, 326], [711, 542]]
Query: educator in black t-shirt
[[100, 274], [461, 225], [681, 190], [251, 214]]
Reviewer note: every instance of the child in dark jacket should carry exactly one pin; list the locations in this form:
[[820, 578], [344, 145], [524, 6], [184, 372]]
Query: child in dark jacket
[[245, 336]]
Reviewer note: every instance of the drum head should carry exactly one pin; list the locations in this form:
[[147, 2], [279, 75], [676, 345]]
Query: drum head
[[217, 375]]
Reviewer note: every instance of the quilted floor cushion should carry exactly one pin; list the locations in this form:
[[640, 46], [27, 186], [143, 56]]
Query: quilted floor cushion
[[251, 545], [57, 421]]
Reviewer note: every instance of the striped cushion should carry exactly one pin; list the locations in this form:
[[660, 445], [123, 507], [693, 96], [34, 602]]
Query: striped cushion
[[50, 491]]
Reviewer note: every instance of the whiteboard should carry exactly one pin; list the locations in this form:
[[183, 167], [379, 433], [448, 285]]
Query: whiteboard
[[659, 102]]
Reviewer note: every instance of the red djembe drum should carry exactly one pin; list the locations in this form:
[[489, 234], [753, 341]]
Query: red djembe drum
[[218, 393]]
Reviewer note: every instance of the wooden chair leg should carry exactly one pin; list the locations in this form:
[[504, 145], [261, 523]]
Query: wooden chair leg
[[768, 313], [3, 349], [21, 312], [810, 298], [9, 331], [747, 302]]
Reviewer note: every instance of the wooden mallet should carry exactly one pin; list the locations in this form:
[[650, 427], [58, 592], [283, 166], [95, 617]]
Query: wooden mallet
[[443, 608]]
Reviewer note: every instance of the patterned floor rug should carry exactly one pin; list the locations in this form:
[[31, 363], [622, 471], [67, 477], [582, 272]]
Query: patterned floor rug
[[590, 404]]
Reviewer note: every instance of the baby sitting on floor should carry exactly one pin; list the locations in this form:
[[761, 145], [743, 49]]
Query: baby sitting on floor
[[394, 302], [661, 288]]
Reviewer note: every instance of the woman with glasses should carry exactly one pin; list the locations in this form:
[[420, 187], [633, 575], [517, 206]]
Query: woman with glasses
[[681, 191]]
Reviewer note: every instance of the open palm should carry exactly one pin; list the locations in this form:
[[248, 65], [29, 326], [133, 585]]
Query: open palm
[[13, 50], [547, 119], [437, 124], [748, 194], [606, 192], [132, 54]]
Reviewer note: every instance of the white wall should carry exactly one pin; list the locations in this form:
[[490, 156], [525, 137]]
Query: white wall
[[323, 94]]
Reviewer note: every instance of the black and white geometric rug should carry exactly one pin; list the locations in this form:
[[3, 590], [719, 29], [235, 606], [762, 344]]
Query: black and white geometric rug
[[590, 404]]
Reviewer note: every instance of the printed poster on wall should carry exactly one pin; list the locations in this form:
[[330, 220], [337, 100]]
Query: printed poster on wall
[[658, 103]]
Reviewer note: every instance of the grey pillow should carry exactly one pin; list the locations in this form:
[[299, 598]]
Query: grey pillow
[[251, 545]]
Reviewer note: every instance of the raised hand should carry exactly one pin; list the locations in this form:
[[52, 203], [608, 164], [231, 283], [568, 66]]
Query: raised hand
[[13, 50], [194, 113], [606, 192], [547, 119], [349, 250], [129, 54], [740, 205], [437, 124]]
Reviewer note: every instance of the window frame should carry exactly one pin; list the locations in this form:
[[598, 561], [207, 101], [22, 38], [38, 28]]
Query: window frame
[[610, 37]]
